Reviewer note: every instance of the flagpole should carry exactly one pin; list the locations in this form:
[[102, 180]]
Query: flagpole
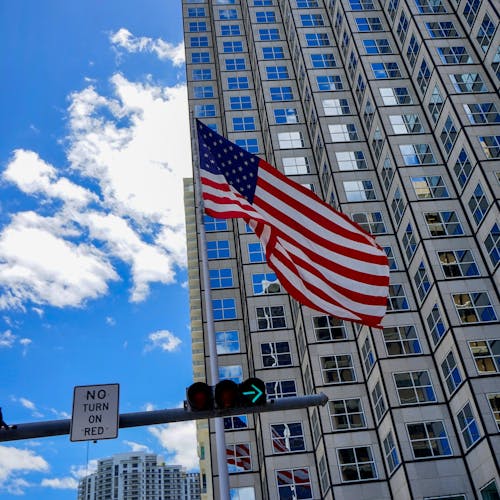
[[220, 440]]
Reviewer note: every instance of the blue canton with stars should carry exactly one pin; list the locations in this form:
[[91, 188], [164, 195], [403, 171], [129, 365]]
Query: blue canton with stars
[[220, 156]]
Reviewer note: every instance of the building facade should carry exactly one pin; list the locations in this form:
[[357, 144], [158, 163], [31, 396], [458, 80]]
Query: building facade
[[389, 111], [139, 476]]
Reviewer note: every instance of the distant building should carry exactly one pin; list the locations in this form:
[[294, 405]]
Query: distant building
[[139, 476]]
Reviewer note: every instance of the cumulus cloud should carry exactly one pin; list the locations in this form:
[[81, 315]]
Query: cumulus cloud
[[80, 471], [60, 483], [137, 446], [7, 339], [15, 462], [124, 39], [164, 340], [179, 441]]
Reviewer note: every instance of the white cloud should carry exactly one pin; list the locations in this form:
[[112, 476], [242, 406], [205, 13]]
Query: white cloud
[[60, 483], [110, 321], [27, 403], [80, 471], [137, 446], [7, 339], [60, 414], [179, 441], [164, 50], [14, 462], [164, 340], [148, 407]]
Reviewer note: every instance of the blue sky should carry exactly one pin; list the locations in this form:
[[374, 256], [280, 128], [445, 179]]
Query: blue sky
[[94, 146]]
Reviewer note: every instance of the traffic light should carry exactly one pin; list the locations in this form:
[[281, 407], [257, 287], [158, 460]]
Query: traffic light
[[226, 394]]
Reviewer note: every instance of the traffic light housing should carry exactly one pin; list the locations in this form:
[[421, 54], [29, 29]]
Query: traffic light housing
[[225, 395]]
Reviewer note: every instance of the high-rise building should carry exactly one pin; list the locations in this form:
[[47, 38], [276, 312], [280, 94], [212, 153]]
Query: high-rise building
[[388, 110], [139, 476]]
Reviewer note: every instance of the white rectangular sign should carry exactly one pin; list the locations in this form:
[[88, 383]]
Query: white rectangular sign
[[95, 412]]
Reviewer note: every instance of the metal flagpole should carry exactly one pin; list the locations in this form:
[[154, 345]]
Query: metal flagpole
[[220, 440]]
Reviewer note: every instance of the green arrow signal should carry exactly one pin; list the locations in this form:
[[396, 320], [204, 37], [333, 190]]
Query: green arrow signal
[[258, 393]]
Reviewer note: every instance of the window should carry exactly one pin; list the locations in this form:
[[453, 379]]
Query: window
[[368, 356], [458, 263], [378, 401], [264, 283], [225, 14], [377, 46], [372, 222], [356, 464], [337, 369], [281, 93], [490, 145], [203, 92], [436, 324], [368, 24], [406, 124], [287, 437], [224, 309], [243, 123], [414, 387], [495, 63], [202, 74], [293, 483], [485, 33], [271, 318], [494, 401], [474, 307], [428, 439], [285, 115], [329, 82], [281, 389], [492, 244], [317, 40], [482, 112], [235, 423], [409, 242], [448, 135], [228, 342], [197, 26], [397, 300], [390, 453], [361, 4], [265, 16], [451, 373], [470, 11], [429, 187], [196, 12], [435, 103], [462, 168], [308, 20], [231, 372], [423, 76], [486, 354], [346, 414], [468, 83], [232, 46], [275, 354], [443, 224], [413, 48], [250, 145], [218, 249], [262, 3], [237, 64], [230, 30], [441, 29], [454, 55], [430, 6], [296, 165], [490, 491], [268, 34], [468, 426], [350, 160], [221, 278], [392, 8], [395, 96], [290, 140], [237, 83], [212, 224], [200, 57], [359, 191], [307, 4], [323, 61], [387, 173], [422, 281], [273, 53], [385, 70], [401, 340], [240, 102], [343, 132], [328, 328], [277, 72], [238, 458], [256, 252], [336, 107]]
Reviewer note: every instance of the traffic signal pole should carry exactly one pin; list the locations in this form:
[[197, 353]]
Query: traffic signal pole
[[33, 430]]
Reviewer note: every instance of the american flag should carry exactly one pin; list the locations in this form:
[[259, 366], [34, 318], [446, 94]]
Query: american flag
[[322, 258]]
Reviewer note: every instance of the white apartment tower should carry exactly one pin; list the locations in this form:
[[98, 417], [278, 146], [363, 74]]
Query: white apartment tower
[[139, 476], [389, 110]]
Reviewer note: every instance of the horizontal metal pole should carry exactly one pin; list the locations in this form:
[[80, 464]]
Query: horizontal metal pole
[[59, 427]]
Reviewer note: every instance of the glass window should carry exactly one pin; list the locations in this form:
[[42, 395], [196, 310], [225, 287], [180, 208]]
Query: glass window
[[285, 115], [343, 132], [271, 318], [428, 439], [268, 34], [290, 140], [436, 103], [414, 387], [231, 372], [346, 414], [237, 83], [462, 168], [401, 340], [336, 107], [422, 282], [238, 458], [482, 112], [413, 46], [351, 160], [474, 307], [200, 57], [397, 300], [406, 124], [441, 29], [468, 83], [232, 46], [277, 72], [486, 354], [202, 74], [265, 16], [296, 165], [243, 123], [492, 244], [485, 33], [196, 12], [471, 8], [468, 426], [228, 342], [361, 4], [317, 40], [454, 55], [377, 46], [329, 82], [264, 283], [378, 401], [273, 53], [409, 242], [293, 483], [337, 369], [494, 401], [451, 373], [391, 258], [221, 278], [275, 354], [197, 26], [436, 324], [371, 222], [228, 14], [230, 30], [323, 61], [368, 24], [356, 464], [224, 309], [359, 191], [423, 76], [213, 224], [287, 437], [235, 423], [429, 187], [490, 491], [251, 145], [430, 6], [458, 263], [328, 328], [203, 92], [256, 252], [240, 102], [237, 64], [367, 355], [218, 249], [448, 135], [490, 145], [385, 70], [390, 453], [281, 93], [395, 96], [308, 20], [443, 224], [307, 4], [281, 389]]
